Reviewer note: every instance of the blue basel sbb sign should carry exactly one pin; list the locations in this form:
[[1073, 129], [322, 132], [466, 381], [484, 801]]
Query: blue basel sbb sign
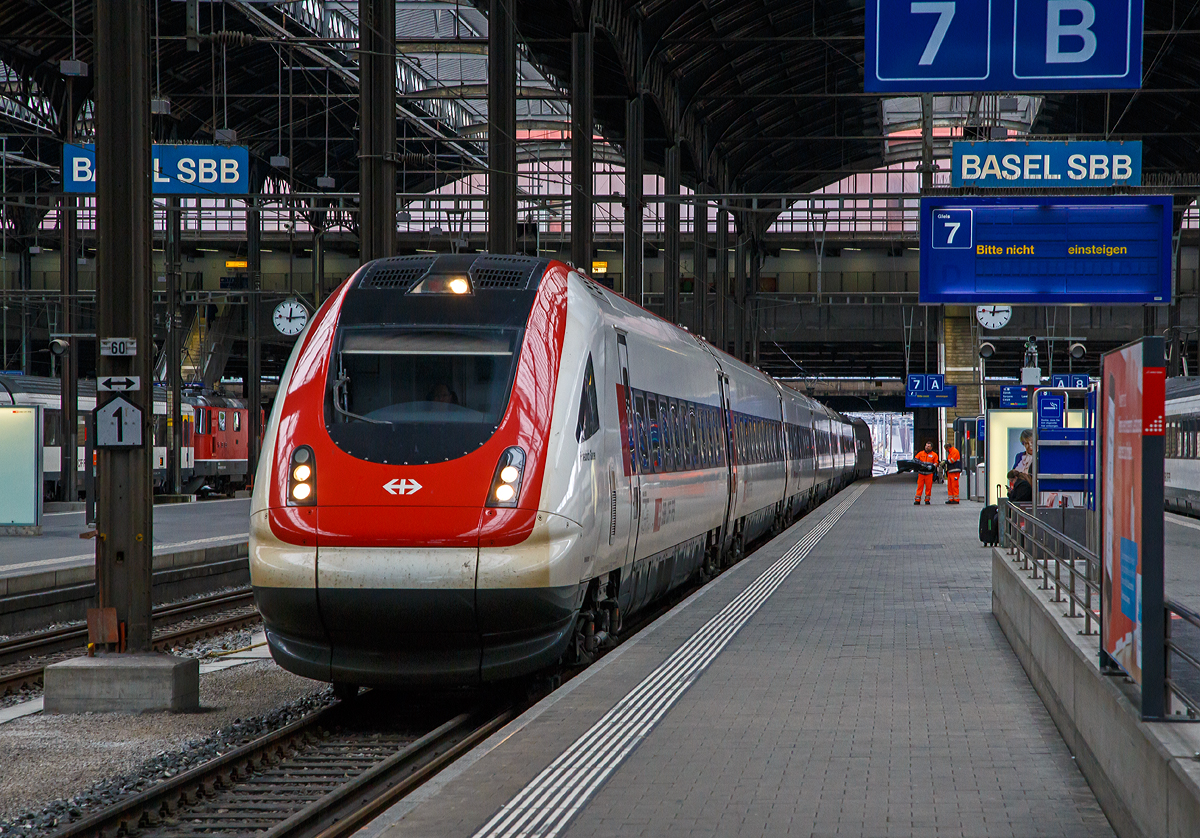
[[1049, 250], [1047, 165], [176, 169], [952, 46]]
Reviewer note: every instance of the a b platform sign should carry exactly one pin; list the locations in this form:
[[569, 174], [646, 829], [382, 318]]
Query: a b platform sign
[[949, 46]]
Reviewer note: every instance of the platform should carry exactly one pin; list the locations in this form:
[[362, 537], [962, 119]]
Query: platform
[[177, 527], [871, 693]]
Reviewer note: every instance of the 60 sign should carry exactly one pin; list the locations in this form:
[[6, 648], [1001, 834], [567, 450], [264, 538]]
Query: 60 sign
[[118, 347]]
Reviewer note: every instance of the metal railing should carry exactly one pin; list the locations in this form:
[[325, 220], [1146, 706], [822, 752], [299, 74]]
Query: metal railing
[[1174, 688], [1038, 546], [1073, 572]]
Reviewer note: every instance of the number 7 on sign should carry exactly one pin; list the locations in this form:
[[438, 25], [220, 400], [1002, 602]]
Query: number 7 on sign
[[953, 229], [945, 13]]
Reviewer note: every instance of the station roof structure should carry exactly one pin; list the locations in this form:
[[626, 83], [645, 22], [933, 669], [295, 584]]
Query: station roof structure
[[764, 97]]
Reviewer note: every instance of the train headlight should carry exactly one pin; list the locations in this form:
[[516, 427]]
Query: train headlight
[[454, 285], [506, 482], [302, 489]]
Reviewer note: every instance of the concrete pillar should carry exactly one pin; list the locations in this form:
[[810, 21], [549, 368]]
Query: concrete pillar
[[721, 300], [582, 124], [174, 269], [68, 362], [671, 248], [377, 130], [739, 290], [700, 257], [502, 129], [634, 127], [253, 341], [123, 309]]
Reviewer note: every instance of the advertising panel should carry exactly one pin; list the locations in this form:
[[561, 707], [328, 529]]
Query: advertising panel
[[1009, 448], [1133, 396], [1048, 250], [992, 165]]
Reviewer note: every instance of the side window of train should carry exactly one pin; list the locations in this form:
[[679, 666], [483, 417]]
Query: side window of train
[[642, 432], [666, 456], [694, 434], [237, 420], [677, 463], [589, 409], [221, 420], [655, 423]]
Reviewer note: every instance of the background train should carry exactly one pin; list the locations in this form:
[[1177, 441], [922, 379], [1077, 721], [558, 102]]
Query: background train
[[480, 465], [215, 434], [1182, 493]]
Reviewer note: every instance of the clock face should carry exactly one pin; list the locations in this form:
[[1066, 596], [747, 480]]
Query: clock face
[[993, 317], [290, 318]]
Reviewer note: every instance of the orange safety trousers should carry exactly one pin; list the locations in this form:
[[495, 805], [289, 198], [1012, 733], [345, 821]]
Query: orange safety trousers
[[924, 484], [952, 484]]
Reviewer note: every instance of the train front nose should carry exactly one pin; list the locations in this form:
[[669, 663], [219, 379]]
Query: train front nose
[[401, 615]]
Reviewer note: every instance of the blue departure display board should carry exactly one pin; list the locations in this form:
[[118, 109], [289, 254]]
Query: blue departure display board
[[970, 46], [1048, 250]]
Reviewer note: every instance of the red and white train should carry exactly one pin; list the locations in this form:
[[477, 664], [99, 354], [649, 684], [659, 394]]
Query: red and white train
[[479, 465]]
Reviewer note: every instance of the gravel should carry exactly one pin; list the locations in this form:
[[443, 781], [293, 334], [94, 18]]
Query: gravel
[[51, 763]]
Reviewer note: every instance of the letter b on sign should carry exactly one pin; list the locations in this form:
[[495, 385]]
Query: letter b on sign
[[1073, 39]]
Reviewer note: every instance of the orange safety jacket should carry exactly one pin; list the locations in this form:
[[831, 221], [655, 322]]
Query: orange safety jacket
[[953, 460], [930, 458]]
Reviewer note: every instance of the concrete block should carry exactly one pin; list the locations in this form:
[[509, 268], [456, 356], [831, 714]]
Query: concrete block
[[130, 683], [16, 529]]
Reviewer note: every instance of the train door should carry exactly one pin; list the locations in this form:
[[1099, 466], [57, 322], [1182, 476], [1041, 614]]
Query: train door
[[626, 497], [731, 461]]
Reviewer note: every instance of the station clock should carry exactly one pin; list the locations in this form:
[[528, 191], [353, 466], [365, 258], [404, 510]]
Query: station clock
[[993, 317], [290, 317]]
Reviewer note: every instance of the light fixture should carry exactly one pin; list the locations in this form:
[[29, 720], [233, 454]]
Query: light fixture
[[302, 490], [161, 107], [69, 67], [225, 135], [404, 215], [435, 230], [280, 161], [325, 182], [506, 484], [1077, 351], [986, 350], [442, 285]]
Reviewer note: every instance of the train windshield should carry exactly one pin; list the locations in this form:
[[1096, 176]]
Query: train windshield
[[409, 395]]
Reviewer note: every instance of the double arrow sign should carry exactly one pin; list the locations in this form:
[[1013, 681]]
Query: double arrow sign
[[404, 486], [113, 384]]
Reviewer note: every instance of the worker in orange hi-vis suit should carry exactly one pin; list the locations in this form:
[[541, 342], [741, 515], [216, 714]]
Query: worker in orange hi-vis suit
[[928, 459], [953, 470]]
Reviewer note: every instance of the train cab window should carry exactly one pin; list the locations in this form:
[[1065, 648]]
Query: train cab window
[[419, 394], [589, 411], [642, 432], [237, 421], [221, 420]]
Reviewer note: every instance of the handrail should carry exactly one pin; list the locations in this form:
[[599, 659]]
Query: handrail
[[1036, 545], [1173, 686]]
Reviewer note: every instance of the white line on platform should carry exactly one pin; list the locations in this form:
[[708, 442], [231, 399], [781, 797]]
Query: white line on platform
[[1182, 521], [159, 549], [548, 804]]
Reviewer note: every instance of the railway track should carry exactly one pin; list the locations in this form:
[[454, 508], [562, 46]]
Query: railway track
[[57, 640], [325, 775]]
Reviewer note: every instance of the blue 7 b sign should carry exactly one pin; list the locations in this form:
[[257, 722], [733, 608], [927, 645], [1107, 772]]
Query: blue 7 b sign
[[949, 46]]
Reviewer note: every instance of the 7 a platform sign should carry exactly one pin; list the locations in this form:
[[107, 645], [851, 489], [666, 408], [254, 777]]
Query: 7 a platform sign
[[947, 46]]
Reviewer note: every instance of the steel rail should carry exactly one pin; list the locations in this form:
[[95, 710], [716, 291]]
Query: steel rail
[[168, 807], [56, 640]]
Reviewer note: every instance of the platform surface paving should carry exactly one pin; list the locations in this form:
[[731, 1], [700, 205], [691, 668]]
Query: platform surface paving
[[872, 694]]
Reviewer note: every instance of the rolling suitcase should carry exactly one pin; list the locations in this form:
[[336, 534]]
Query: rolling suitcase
[[989, 526]]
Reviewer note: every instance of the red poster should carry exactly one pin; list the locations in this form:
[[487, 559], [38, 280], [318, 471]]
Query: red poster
[[1123, 419]]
